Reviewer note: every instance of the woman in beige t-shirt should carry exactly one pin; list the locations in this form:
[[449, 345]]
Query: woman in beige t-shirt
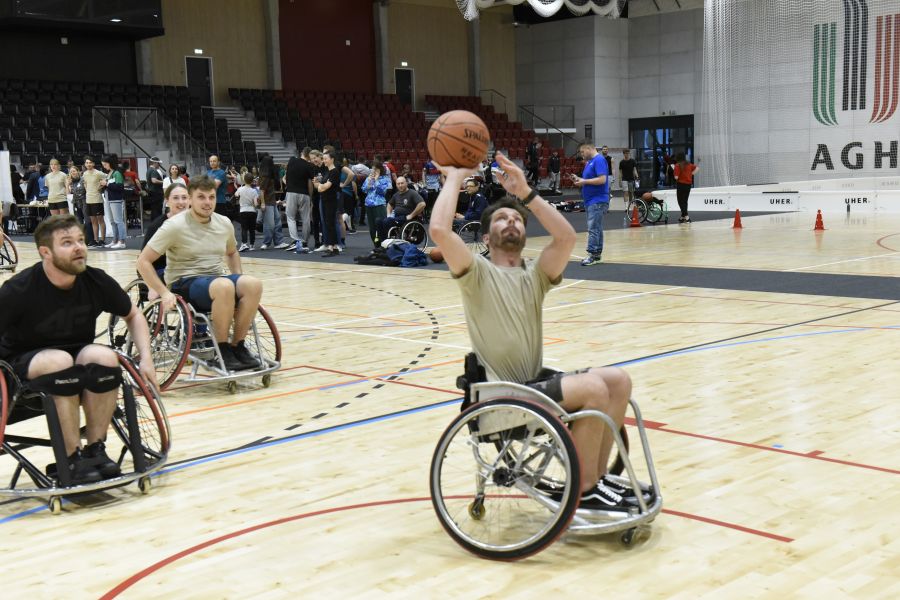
[[55, 181]]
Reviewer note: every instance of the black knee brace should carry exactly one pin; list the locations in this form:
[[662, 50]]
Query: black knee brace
[[68, 382], [100, 379]]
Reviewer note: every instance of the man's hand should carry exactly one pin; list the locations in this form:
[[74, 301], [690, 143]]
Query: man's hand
[[513, 178], [148, 370], [577, 181], [167, 301]]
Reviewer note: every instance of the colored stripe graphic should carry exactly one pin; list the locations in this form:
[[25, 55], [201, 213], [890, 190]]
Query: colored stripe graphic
[[824, 68], [856, 51], [887, 68]]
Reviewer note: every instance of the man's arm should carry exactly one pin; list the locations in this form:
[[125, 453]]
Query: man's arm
[[145, 267], [217, 181], [555, 256], [418, 210], [234, 261], [454, 249], [140, 335]]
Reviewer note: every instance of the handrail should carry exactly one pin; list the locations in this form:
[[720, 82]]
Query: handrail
[[551, 126], [499, 93], [121, 132]]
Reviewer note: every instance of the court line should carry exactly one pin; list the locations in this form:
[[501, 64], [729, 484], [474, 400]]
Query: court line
[[880, 241], [143, 574], [840, 262]]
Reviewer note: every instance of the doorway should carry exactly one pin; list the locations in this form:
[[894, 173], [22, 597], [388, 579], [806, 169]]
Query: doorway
[[404, 87], [656, 141], [198, 72]]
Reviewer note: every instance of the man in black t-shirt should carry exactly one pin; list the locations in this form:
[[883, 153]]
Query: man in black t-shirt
[[407, 205], [629, 173], [48, 319], [297, 192]]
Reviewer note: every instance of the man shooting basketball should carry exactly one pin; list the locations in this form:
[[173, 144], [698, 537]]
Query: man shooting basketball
[[503, 296]]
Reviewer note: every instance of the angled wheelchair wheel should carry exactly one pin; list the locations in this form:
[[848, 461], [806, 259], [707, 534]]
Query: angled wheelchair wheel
[[9, 256], [655, 212], [140, 420], [170, 339], [505, 479], [268, 342], [471, 234], [116, 330], [415, 233]]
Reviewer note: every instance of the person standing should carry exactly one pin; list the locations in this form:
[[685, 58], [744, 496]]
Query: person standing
[[154, 178], [328, 191], [684, 180], [93, 179], [217, 174], [628, 174], [298, 189], [248, 199], [594, 186], [534, 161], [115, 196], [553, 168], [273, 237], [376, 186], [56, 189]]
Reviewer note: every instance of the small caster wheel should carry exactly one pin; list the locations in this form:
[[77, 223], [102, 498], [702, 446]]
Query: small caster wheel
[[476, 509], [55, 505], [628, 536], [145, 485], [232, 387], [267, 380]]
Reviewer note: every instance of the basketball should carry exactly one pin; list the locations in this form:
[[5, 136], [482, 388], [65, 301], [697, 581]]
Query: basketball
[[436, 255], [458, 138]]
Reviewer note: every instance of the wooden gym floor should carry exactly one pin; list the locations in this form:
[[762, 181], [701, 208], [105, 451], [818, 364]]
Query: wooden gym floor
[[773, 422]]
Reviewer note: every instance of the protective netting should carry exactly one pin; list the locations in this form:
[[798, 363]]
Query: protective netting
[[545, 8], [806, 89]]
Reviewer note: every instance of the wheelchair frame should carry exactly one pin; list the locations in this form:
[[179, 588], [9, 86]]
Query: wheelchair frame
[[9, 256], [405, 233], [648, 212], [130, 419], [470, 232], [193, 339], [528, 410]]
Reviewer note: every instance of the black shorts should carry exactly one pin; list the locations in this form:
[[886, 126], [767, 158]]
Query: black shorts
[[94, 209], [21, 362], [549, 383], [58, 205]]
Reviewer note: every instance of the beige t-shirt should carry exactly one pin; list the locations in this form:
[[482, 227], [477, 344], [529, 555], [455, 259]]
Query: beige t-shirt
[[193, 248], [503, 307], [56, 186], [92, 181]]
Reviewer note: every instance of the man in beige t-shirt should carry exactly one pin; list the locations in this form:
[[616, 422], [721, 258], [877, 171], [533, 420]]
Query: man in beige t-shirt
[[503, 298], [93, 201], [197, 243]]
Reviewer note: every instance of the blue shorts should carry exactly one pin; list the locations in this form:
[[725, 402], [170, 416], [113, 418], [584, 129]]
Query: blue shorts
[[196, 290]]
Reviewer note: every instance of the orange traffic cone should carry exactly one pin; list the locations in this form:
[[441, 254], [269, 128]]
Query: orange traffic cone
[[737, 220], [635, 219], [820, 226]]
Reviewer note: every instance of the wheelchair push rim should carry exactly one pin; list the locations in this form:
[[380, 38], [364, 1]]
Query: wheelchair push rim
[[505, 512], [9, 256]]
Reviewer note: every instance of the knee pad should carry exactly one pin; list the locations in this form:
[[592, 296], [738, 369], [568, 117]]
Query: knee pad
[[68, 382], [101, 379]]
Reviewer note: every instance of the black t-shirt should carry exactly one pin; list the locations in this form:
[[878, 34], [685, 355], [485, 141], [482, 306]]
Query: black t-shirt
[[406, 202], [626, 167], [334, 176], [298, 174], [35, 314]]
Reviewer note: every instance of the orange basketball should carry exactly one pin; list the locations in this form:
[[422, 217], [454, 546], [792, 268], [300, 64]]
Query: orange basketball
[[459, 139], [436, 255]]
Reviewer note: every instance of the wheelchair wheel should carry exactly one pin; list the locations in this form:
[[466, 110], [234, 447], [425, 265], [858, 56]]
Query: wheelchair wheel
[[9, 256], [116, 330], [471, 234], [654, 212], [140, 420], [267, 334], [415, 233], [170, 339], [5, 398], [526, 485]]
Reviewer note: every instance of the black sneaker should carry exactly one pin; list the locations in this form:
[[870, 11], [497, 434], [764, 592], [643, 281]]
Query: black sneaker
[[229, 360], [622, 486], [80, 470], [96, 455], [601, 497], [242, 354]]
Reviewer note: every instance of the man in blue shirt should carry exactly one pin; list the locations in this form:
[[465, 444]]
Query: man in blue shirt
[[475, 203], [217, 174], [594, 184]]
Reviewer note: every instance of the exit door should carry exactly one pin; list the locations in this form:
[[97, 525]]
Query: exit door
[[198, 72], [404, 86]]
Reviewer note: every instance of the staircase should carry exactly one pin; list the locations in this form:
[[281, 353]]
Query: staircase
[[254, 132]]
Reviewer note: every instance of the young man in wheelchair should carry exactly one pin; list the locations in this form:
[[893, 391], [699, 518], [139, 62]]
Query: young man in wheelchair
[[197, 243], [503, 297], [48, 320]]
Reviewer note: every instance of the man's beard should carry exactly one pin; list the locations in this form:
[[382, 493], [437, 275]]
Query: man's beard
[[69, 267], [508, 241]]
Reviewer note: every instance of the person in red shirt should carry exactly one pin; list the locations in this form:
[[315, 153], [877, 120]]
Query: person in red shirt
[[684, 180]]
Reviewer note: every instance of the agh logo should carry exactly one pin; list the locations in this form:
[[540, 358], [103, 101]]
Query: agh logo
[[780, 201], [861, 200], [713, 201]]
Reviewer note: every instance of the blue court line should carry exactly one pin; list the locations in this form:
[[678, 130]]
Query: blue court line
[[285, 440]]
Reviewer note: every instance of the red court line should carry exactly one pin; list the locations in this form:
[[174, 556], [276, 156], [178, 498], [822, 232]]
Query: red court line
[[880, 242], [114, 592]]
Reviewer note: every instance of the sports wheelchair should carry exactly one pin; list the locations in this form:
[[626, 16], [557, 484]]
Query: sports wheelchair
[[9, 256], [415, 232], [139, 422], [652, 211], [470, 232], [186, 333], [526, 486]]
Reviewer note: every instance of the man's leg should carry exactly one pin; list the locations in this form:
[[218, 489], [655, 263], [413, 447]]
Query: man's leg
[[304, 208], [98, 406], [268, 226], [221, 291], [290, 212], [249, 292], [595, 229], [278, 227], [53, 361]]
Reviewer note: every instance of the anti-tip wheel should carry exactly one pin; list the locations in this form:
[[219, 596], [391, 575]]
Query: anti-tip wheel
[[55, 505], [232, 387], [628, 536], [477, 510], [145, 485], [267, 380]]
